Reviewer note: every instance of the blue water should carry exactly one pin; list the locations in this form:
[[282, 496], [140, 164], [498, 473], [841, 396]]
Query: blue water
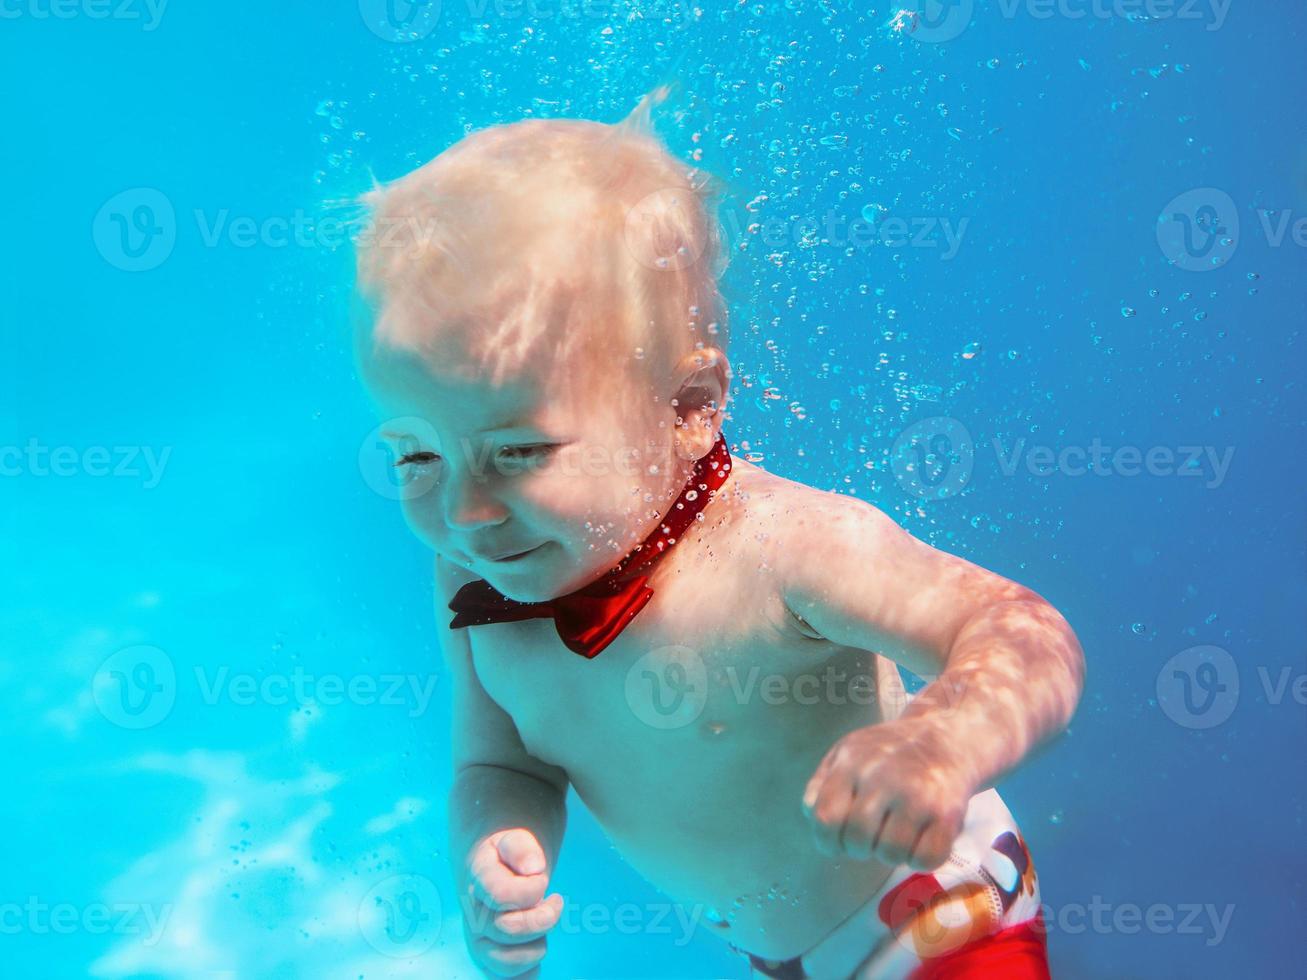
[[185, 516]]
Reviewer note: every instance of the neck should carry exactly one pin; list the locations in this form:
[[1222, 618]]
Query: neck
[[696, 489]]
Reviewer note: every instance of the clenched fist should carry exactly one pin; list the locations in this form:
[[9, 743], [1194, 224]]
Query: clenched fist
[[505, 912], [896, 792]]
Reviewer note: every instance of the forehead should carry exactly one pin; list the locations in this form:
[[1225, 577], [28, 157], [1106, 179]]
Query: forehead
[[454, 396]]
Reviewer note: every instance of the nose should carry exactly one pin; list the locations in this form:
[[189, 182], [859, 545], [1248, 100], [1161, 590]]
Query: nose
[[469, 505]]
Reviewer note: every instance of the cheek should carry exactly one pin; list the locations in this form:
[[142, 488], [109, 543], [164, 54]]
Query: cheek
[[553, 502], [597, 496], [422, 514]]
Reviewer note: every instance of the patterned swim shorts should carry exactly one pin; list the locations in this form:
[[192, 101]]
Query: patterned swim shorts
[[976, 915]]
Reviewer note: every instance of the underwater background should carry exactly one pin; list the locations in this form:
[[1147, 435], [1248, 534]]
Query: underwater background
[[1027, 275]]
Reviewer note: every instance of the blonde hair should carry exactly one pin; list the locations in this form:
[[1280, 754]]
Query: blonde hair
[[524, 241]]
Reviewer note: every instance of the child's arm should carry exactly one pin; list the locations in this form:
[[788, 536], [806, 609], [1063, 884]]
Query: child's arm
[[507, 816], [1008, 669]]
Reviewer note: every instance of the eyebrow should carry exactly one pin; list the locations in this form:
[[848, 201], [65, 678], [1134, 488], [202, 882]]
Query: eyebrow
[[392, 434], [518, 425], [523, 426]]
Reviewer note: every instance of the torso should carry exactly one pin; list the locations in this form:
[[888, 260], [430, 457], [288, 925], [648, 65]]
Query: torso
[[705, 801]]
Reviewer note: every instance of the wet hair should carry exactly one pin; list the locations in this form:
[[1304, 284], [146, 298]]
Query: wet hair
[[522, 242]]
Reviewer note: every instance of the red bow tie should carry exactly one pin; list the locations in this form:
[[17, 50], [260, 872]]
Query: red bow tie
[[591, 617]]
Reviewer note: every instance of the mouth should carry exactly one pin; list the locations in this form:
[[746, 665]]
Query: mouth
[[514, 556]]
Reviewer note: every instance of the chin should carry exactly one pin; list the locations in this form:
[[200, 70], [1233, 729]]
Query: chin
[[526, 588], [523, 581], [532, 581], [527, 593]]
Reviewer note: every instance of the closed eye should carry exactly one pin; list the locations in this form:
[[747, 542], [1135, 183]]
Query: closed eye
[[521, 452], [418, 458], [520, 460]]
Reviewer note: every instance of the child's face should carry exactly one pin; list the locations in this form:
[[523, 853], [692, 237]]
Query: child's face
[[546, 463]]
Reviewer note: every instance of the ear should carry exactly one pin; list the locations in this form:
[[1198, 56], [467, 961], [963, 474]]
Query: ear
[[703, 384]]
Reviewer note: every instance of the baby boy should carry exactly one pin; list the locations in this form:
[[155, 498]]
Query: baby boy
[[707, 653]]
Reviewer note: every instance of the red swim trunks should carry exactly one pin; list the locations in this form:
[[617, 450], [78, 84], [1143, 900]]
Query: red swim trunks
[[1017, 953]]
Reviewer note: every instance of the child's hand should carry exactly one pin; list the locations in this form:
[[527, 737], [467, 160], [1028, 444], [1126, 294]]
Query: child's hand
[[896, 792], [506, 915]]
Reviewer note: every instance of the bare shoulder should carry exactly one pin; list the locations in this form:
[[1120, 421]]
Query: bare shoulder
[[785, 537], [801, 516]]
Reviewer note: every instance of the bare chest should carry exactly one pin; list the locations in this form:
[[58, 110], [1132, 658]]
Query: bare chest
[[685, 668]]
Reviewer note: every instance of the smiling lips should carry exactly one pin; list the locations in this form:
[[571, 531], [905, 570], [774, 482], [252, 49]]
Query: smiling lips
[[512, 555]]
